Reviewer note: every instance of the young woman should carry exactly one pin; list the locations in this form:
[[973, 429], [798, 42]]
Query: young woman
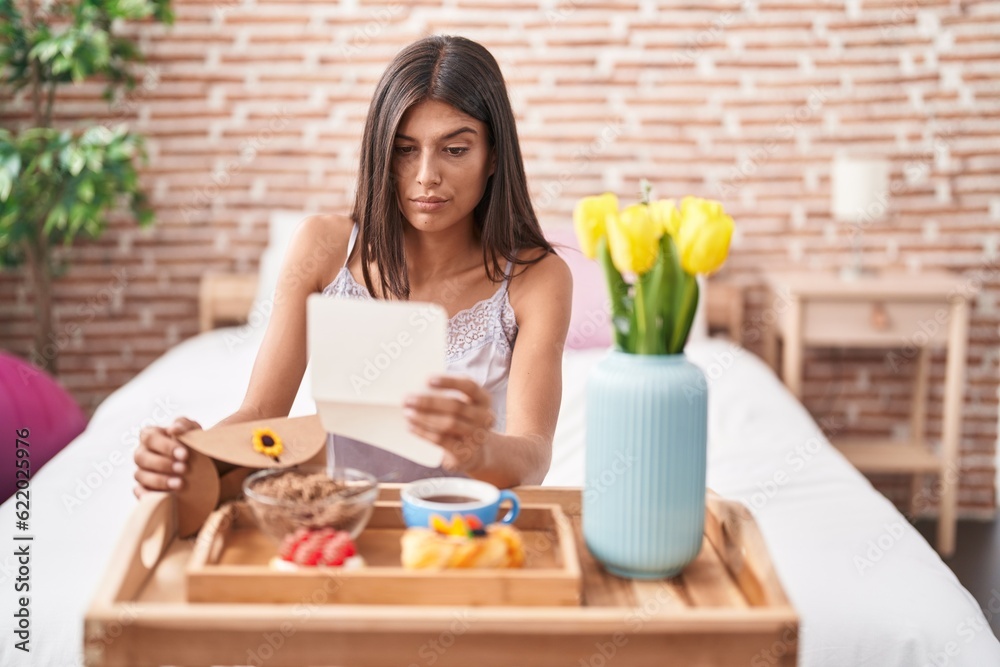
[[441, 214]]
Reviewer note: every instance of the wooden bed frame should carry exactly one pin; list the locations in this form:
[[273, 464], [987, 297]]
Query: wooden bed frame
[[225, 299]]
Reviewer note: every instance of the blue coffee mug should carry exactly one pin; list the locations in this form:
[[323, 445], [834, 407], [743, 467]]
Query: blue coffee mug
[[441, 495]]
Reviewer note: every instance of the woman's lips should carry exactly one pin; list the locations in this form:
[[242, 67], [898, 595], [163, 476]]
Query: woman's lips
[[429, 206]]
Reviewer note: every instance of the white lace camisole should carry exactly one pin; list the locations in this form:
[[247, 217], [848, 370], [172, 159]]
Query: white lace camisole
[[480, 343]]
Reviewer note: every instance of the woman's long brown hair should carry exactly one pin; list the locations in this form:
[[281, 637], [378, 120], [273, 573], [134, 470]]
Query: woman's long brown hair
[[463, 74]]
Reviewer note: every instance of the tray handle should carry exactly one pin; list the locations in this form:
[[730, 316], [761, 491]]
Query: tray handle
[[148, 532], [208, 544], [731, 529]]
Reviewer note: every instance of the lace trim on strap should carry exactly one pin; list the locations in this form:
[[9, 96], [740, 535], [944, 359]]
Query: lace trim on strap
[[346, 287], [475, 327]]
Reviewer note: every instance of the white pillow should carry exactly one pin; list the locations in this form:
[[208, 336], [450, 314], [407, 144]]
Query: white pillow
[[281, 227]]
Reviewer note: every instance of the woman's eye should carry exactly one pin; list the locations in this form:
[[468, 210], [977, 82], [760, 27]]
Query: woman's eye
[[457, 150], [404, 150]]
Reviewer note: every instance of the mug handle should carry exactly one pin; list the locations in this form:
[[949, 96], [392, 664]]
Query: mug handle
[[515, 506]]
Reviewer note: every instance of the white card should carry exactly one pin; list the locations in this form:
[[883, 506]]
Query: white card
[[366, 357]]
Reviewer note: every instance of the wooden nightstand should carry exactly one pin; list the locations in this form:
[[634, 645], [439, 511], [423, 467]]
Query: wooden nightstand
[[225, 298], [906, 313]]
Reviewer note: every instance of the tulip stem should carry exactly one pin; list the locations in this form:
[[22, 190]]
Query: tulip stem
[[618, 291], [688, 304], [665, 278], [642, 324]]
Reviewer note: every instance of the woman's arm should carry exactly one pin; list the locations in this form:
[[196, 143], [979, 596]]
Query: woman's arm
[[318, 246], [319, 243], [542, 303], [541, 298]]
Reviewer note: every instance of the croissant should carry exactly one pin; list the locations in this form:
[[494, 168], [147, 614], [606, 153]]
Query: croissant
[[500, 547]]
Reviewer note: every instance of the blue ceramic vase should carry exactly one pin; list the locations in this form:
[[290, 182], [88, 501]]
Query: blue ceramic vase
[[644, 493]]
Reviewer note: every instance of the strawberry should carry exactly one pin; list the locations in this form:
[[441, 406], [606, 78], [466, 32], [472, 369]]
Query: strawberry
[[291, 543], [335, 552], [324, 546], [302, 552]]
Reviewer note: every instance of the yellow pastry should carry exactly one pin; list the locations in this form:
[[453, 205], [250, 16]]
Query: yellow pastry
[[498, 546]]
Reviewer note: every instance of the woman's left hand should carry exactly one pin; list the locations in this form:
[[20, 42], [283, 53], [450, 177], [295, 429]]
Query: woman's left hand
[[458, 424]]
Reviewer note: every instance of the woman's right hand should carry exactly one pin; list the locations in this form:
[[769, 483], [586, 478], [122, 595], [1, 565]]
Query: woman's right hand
[[162, 458]]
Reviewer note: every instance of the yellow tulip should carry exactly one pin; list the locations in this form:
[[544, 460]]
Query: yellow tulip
[[705, 232], [633, 239], [590, 220], [666, 215]]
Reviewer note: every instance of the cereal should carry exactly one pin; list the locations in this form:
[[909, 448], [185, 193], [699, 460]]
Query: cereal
[[291, 500], [295, 487]]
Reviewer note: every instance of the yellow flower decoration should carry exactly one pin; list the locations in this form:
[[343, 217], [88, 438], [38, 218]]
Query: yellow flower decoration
[[633, 239], [705, 232], [267, 442], [590, 220]]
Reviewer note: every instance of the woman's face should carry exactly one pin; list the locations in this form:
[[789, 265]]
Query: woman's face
[[441, 160]]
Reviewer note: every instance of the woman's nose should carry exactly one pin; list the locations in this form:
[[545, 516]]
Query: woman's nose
[[428, 173]]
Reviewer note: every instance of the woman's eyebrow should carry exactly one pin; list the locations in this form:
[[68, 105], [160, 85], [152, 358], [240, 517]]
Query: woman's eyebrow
[[450, 135]]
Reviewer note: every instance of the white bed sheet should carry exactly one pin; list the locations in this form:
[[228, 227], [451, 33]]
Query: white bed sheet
[[903, 611]]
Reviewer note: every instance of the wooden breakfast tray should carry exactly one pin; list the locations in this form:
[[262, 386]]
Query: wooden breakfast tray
[[726, 608], [230, 564]]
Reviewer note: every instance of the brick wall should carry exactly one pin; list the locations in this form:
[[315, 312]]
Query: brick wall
[[254, 106]]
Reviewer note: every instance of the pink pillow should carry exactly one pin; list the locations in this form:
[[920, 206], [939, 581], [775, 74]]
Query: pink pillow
[[32, 400], [590, 321]]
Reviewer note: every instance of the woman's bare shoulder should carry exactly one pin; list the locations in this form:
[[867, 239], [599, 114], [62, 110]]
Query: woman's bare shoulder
[[535, 284], [318, 249]]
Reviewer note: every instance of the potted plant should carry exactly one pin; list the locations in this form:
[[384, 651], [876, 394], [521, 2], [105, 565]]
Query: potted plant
[[647, 405], [58, 184]]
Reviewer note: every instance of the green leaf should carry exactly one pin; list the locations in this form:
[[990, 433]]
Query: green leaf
[[73, 159], [56, 219], [669, 280], [68, 42], [95, 161], [79, 71], [85, 191], [686, 310], [621, 318], [10, 167], [11, 160], [6, 185], [61, 65], [649, 299], [647, 331], [44, 51], [98, 135], [77, 216]]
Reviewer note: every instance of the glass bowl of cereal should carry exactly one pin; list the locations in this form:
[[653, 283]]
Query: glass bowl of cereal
[[313, 497]]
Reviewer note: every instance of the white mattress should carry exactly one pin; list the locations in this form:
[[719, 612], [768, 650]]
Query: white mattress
[[902, 611]]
